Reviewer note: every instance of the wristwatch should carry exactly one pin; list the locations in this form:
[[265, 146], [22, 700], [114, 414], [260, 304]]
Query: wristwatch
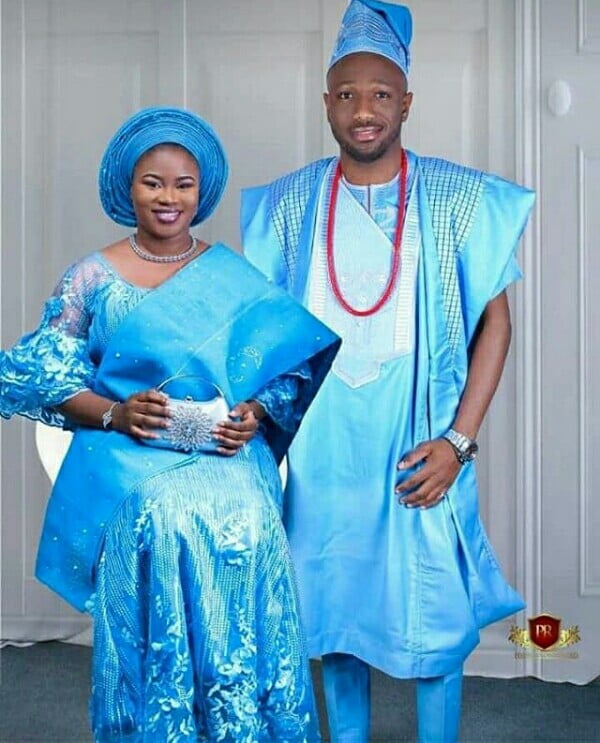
[[465, 448]]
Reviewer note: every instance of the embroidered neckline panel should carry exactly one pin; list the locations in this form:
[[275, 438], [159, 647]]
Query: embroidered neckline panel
[[364, 251]]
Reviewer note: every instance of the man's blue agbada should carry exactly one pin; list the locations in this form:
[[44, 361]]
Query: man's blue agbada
[[396, 382]]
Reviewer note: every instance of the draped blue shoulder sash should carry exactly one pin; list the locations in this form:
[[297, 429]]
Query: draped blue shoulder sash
[[437, 397], [217, 318]]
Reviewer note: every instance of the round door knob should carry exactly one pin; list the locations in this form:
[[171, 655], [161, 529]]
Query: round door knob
[[559, 98]]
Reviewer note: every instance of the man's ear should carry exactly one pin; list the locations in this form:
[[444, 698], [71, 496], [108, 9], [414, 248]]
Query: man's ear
[[406, 104]]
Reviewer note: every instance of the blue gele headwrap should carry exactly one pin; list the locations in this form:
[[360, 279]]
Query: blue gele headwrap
[[147, 129], [375, 27]]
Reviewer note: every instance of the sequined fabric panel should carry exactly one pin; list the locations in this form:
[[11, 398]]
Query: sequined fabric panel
[[197, 634]]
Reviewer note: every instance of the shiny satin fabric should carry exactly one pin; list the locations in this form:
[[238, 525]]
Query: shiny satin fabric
[[403, 589], [196, 624], [216, 318], [346, 682], [180, 559]]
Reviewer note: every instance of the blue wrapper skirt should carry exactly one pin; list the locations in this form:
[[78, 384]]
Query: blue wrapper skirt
[[196, 624]]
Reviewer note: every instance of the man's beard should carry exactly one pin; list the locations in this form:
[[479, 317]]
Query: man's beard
[[362, 156]]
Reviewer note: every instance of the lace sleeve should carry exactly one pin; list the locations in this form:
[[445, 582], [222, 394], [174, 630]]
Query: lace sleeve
[[51, 365], [284, 398]]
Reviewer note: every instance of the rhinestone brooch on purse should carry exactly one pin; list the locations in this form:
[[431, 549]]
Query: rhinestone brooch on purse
[[192, 421]]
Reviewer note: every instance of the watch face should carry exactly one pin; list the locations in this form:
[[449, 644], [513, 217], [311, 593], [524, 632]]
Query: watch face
[[465, 449], [471, 451]]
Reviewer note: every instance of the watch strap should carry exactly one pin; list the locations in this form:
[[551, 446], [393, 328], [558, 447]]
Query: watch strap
[[464, 447]]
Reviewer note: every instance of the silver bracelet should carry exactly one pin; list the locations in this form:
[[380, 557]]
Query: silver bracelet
[[108, 416]]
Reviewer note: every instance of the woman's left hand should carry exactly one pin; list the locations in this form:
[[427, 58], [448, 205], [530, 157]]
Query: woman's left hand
[[232, 435]]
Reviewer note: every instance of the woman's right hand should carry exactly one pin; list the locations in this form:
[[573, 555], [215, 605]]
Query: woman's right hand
[[140, 413]]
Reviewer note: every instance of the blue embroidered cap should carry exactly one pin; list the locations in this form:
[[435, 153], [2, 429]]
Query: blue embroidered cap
[[376, 27], [149, 128]]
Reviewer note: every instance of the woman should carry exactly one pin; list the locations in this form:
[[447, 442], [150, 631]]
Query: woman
[[178, 555]]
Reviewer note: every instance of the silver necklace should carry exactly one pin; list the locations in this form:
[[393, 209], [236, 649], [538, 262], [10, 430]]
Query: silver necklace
[[144, 255]]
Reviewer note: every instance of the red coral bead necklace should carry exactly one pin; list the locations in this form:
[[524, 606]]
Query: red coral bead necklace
[[397, 251]]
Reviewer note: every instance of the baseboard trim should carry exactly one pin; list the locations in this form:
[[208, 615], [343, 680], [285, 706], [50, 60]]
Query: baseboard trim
[[494, 662], [41, 629]]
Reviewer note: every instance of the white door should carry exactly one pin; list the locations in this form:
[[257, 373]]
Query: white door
[[570, 318]]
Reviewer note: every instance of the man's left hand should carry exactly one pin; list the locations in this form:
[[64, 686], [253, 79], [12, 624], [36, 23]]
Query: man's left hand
[[426, 487]]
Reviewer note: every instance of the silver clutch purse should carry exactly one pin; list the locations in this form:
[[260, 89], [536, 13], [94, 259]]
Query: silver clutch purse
[[192, 421]]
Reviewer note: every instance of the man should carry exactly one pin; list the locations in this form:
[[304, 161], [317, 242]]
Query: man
[[407, 259]]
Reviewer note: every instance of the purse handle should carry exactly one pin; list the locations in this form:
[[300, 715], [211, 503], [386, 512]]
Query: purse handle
[[168, 380]]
